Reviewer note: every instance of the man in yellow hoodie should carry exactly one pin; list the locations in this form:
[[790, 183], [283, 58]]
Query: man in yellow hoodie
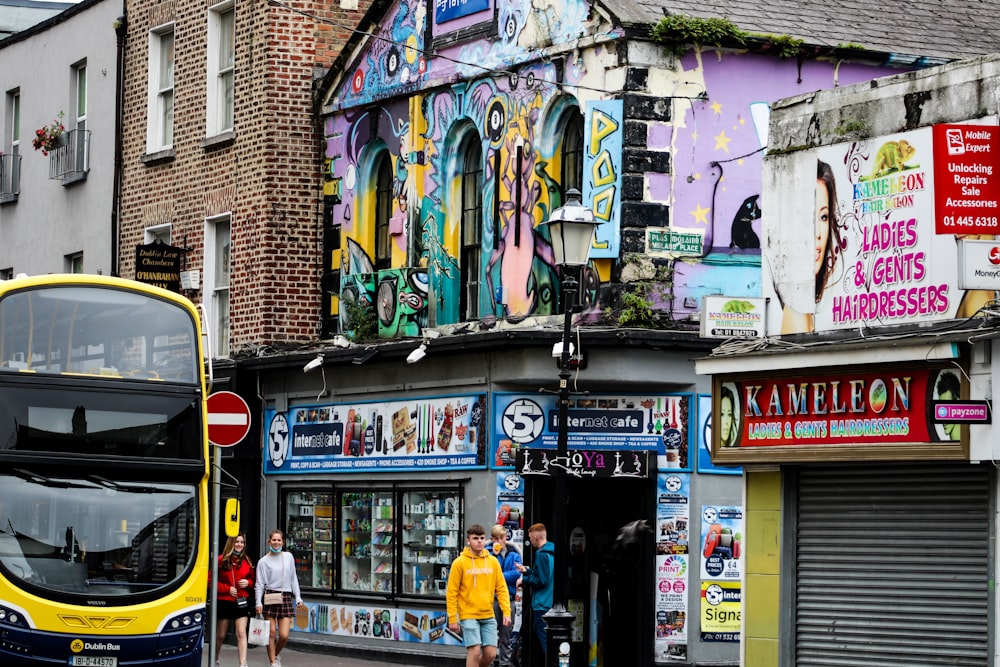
[[473, 581]]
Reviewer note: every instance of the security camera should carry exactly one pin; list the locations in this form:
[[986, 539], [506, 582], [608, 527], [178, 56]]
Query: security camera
[[315, 363], [557, 350], [417, 355]]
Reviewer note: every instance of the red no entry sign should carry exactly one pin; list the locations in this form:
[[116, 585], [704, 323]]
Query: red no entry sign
[[228, 418]]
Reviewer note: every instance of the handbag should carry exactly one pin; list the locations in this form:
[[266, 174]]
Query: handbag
[[276, 596], [241, 603], [259, 632]]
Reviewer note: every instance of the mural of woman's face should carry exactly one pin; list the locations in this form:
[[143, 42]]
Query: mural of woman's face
[[822, 225], [726, 420]]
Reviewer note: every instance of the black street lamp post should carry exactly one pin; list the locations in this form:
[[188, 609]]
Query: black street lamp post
[[571, 229]]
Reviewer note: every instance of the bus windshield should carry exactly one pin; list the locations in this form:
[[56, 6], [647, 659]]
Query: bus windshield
[[84, 535], [97, 331]]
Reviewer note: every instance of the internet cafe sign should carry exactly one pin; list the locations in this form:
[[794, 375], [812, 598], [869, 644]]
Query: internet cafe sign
[[159, 264], [888, 214], [838, 414]]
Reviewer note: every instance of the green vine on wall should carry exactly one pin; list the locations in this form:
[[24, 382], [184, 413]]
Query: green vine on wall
[[362, 323], [676, 32], [645, 281], [784, 46]]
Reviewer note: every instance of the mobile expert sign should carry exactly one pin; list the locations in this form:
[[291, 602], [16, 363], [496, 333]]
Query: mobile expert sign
[[967, 179]]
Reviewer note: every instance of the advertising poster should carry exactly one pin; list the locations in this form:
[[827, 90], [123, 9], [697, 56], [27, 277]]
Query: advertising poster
[[967, 176], [888, 213], [721, 606], [727, 419], [596, 423], [673, 506], [427, 433], [722, 532], [372, 621]]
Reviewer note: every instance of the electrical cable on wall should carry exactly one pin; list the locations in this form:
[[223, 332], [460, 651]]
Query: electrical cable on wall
[[439, 56]]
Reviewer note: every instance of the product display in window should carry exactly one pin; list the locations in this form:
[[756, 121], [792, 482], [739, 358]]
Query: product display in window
[[367, 536], [432, 526], [309, 536]]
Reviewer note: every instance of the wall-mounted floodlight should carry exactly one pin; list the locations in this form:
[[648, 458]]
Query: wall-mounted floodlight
[[417, 354], [314, 364]]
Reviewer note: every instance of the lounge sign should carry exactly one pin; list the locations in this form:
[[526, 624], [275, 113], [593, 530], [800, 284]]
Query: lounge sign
[[838, 414], [583, 463]]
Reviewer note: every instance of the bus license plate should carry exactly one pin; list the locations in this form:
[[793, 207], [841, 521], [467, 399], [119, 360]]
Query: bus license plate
[[93, 661]]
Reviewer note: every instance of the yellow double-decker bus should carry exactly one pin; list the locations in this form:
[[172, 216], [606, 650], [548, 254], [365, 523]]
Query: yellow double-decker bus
[[104, 471]]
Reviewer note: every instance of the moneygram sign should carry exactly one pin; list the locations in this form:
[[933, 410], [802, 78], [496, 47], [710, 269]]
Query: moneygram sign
[[979, 264]]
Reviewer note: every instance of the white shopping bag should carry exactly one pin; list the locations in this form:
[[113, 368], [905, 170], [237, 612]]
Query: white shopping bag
[[259, 632]]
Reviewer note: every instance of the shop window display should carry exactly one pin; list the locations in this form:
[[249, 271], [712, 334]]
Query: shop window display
[[310, 536], [431, 540], [379, 541]]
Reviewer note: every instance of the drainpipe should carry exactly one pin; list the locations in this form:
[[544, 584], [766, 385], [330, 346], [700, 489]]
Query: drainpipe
[[121, 28]]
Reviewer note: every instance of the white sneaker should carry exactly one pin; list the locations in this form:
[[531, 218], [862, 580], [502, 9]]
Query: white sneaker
[[277, 661]]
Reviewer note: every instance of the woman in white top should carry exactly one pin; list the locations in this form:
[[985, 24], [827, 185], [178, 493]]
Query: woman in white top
[[276, 574]]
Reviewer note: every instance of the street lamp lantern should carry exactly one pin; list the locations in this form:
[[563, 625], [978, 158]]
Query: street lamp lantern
[[571, 230]]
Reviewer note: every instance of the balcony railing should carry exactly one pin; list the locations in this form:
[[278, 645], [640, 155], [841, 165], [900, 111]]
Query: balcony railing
[[71, 159], [10, 176]]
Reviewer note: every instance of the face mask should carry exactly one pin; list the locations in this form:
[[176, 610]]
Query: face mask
[[275, 550]]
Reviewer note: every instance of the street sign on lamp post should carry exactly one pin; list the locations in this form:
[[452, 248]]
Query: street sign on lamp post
[[571, 230]]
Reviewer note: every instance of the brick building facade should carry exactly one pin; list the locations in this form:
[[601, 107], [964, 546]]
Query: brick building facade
[[261, 173]]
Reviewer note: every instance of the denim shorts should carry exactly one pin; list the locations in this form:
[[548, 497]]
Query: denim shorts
[[479, 631]]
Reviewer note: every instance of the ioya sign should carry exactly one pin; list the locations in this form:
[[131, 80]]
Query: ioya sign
[[872, 238]]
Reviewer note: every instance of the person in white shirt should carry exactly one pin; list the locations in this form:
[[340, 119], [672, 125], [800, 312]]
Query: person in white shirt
[[276, 574]]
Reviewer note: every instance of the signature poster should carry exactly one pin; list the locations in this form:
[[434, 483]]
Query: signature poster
[[721, 609]]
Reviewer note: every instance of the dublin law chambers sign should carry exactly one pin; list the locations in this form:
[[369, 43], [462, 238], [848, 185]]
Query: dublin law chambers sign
[[159, 264]]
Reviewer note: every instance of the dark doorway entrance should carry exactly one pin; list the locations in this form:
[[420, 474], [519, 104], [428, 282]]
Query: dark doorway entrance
[[613, 580]]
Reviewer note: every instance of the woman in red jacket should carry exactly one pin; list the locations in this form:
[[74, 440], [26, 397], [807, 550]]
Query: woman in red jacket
[[235, 585]]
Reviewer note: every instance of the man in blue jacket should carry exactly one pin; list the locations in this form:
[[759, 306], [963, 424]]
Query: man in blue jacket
[[539, 579], [509, 558]]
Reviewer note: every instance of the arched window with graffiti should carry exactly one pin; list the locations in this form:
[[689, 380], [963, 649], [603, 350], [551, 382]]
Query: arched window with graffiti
[[471, 196], [572, 151], [382, 209]]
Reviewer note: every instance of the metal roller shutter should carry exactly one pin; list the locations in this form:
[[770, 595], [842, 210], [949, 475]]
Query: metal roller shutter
[[893, 565]]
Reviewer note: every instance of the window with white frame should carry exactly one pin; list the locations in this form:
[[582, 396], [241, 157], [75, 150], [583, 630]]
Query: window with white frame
[[10, 163], [159, 233], [471, 153], [82, 135], [73, 263], [218, 237], [221, 51], [160, 100]]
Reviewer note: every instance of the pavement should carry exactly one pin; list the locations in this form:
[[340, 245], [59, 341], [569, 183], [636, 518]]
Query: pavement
[[299, 654], [290, 657]]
